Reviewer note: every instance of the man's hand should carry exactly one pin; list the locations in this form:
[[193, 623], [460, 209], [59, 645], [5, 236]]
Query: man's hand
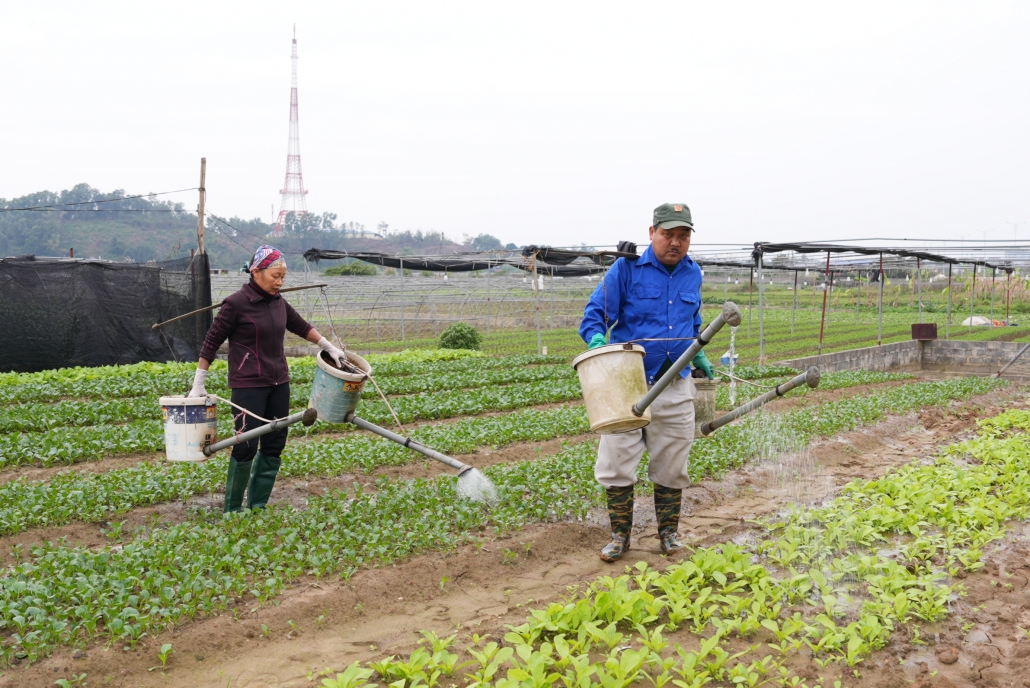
[[338, 356], [198, 384], [596, 341], [701, 361]]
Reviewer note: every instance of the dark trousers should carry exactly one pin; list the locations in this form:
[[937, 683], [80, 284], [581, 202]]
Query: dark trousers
[[268, 402]]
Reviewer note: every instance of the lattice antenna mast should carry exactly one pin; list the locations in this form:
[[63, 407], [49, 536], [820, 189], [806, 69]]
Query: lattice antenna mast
[[293, 192]]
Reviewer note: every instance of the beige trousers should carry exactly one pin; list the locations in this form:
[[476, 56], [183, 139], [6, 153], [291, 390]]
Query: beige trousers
[[667, 440]]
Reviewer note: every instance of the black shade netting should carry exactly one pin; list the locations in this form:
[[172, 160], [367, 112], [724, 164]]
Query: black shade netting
[[62, 313]]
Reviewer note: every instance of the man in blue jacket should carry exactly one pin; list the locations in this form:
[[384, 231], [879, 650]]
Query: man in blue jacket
[[657, 298]]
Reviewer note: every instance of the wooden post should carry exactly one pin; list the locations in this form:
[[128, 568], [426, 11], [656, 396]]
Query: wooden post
[[972, 299], [536, 303], [994, 274], [858, 296], [402, 298], [822, 322], [794, 308], [1008, 294], [879, 326], [750, 286], [919, 287], [947, 323], [200, 206], [71, 253], [761, 314]]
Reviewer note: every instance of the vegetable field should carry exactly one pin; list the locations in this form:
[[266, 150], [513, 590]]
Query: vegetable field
[[809, 559]]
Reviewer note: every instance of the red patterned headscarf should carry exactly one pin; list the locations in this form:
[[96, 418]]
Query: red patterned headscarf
[[267, 257]]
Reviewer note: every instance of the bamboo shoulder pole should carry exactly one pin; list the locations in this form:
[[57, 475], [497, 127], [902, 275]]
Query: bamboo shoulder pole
[[158, 326]]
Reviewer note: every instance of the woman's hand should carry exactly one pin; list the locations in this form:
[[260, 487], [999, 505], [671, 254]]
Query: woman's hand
[[198, 383], [339, 357]]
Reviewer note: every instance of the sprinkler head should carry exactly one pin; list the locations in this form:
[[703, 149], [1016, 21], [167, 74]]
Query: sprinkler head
[[731, 314], [309, 418], [812, 377]]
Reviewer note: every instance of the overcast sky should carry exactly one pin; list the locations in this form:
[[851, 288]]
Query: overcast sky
[[549, 123]]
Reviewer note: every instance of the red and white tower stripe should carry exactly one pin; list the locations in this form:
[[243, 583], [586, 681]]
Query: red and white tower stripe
[[293, 192]]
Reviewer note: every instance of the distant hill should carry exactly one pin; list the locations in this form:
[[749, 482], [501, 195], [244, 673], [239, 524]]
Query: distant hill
[[143, 229]]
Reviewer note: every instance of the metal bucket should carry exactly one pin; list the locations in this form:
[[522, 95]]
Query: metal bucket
[[336, 393], [704, 403], [190, 425], [612, 379]]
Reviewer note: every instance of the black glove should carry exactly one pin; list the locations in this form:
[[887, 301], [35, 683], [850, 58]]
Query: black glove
[[626, 247]]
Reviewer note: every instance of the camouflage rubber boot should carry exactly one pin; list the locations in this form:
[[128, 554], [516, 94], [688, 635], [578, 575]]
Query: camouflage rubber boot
[[620, 514], [667, 501]]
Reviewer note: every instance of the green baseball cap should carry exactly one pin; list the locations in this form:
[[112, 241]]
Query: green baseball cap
[[672, 215]]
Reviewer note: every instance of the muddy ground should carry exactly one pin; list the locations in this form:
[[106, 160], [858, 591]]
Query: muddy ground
[[478, 589]]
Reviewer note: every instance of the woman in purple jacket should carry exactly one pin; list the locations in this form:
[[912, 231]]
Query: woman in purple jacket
[[255, 320]]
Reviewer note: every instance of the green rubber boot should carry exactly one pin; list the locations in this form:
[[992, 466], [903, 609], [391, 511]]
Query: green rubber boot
[[620, 514], [262, 478], [235, 483], [667, 502]]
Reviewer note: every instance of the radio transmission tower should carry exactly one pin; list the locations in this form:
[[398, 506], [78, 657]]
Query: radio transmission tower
[[293, 191]]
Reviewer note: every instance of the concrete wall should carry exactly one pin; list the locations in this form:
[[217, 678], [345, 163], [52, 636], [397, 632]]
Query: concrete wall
[[904, 356], [937, 355]]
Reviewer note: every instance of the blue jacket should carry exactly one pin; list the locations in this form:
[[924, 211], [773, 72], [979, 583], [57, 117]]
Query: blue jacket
[[649, 303]]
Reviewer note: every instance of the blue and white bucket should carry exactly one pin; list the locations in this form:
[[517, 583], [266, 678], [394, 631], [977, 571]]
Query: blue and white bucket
[[335, 392], [191, 423], [725, 359]]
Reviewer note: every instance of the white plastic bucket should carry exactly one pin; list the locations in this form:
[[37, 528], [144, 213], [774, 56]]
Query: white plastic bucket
[[612, 379], [704, 403], [336, 393], [191, 423]]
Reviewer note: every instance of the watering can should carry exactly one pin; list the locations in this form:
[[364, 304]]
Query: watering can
[[615, 386]]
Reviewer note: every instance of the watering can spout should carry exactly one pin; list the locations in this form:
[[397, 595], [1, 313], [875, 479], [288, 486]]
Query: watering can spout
[[810, 377]]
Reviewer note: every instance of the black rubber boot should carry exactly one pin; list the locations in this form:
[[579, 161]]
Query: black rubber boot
[[235, 483], [262, 478], [667, 502], [620, 514]]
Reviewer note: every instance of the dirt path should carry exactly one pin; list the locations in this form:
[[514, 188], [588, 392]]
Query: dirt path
[[378, 612]]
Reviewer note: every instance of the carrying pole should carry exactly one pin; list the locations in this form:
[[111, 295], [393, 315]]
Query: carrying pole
[[200, 205], [947, 322], [158, 326], [822, 322], [879, 322]]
